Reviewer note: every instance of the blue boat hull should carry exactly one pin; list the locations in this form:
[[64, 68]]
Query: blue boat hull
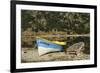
[[45, 46]]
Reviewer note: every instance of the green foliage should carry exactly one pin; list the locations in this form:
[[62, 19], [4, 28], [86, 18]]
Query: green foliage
[[62, 21]]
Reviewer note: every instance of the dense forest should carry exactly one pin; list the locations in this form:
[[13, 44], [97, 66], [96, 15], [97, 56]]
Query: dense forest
[[51, 21], [78, 23]]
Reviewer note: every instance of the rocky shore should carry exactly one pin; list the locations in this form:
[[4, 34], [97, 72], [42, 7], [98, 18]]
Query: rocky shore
[[31, 55]]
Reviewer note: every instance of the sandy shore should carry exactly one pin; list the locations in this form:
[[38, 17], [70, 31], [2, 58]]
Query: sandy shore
[[31, 55]]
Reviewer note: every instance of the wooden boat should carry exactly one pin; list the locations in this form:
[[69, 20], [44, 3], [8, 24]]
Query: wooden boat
[[75, 48], [46, 46]]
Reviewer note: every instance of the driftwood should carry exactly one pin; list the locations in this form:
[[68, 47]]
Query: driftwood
[[75, 49]]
